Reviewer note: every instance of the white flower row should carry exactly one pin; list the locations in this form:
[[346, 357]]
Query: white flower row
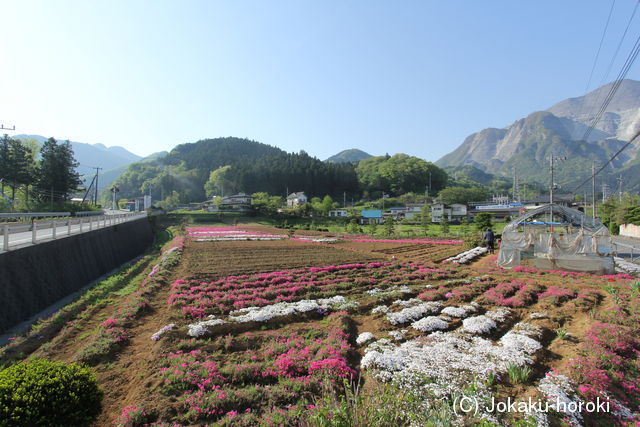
[[430, 324], [459, 312], [237, 238], [316, 239], [364, 337], [198, 329], [262, 314], [450, 360], [380, 309], [414, 313], [485, 323], [467, 256], [558, 389], [626, 266], [162, 331]]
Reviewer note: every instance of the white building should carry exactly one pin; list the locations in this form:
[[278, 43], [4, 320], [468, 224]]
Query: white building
[[338, 213], [454, 212], [296, 199]]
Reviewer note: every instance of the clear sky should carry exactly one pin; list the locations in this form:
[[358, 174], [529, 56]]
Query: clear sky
[[320, 76]]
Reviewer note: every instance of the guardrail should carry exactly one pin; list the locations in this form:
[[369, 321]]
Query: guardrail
[[633, 252], [34, 215], [38, 231]]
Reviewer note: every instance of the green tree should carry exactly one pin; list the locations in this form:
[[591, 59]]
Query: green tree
[[265, 204], [220, 182], [399, 174], [372, 229], [444, 225], [483, 221], [327, 205], [462, 195], [464, 226], [56, 175], [389, 227]]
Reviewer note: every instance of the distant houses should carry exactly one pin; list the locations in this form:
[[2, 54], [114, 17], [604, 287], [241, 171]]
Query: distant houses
[[338, 213], [371, 216], [237, 202], [453, 212], [296, 199]]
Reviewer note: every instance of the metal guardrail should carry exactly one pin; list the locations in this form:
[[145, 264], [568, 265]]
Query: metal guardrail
[[633, 252], [61, 228], [34, 215]]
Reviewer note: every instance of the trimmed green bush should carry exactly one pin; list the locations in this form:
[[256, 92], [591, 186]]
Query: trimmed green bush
[[43, 392]]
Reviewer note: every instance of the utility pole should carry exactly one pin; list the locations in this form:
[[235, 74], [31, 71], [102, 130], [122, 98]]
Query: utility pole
[[344, 199], [593, 189], [620, 179], [95, 197], [114, 190], [552, 159], [514, 191], [605, 187]]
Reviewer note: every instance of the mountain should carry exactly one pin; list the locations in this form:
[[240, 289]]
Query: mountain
[[241, 165], [527, 144], [351, 155], [93, 155]]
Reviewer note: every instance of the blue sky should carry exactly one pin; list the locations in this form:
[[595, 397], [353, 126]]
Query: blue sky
[[411, 76]]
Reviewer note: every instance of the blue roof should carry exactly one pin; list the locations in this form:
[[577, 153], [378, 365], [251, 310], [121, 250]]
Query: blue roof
[[371, 214]]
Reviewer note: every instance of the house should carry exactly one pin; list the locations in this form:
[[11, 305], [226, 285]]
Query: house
[[296, 199], [373, 216], [139, 204], [237, 202], [413, 209], [453, 213], [396, 212], [501, 207], [338, 213]]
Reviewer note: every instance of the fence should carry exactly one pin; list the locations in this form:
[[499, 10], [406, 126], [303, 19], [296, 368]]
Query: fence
[[38, 231]]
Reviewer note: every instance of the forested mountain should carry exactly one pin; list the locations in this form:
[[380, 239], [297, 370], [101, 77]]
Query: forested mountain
[[527, 144], [253, 167], [352, 155], [92, 155], [222, 166]]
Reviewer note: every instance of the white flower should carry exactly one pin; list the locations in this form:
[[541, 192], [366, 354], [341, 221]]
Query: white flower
[[262, 314], [429, 324], [364, 337], [558, 389], [200, 328], [161, 331], [414, 313], [478, 325], [459, 312], [380, 309], [398, 335]]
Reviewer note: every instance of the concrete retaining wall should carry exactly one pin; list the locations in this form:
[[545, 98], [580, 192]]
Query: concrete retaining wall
[[630, 230], [35, 277]]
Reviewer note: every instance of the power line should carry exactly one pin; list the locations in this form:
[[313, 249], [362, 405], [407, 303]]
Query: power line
[[604, 33], [614, 88], [615, 54], [609, 161]]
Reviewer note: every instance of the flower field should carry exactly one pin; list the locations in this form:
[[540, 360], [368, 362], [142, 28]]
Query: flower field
[[226, 330]]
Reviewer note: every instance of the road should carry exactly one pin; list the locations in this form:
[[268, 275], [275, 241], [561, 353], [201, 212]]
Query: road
[[25, 238]]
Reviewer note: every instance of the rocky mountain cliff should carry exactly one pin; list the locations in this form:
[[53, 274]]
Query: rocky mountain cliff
[[528, 142]]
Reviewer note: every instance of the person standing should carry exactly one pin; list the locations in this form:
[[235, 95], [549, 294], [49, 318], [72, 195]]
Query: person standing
[[489, 238]]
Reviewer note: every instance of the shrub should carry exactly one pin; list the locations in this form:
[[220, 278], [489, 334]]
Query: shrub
[[43, 392]]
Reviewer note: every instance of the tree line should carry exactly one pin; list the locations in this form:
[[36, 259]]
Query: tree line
[[39, 175]]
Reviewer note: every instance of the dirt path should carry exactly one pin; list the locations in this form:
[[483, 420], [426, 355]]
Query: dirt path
[[130, 378]]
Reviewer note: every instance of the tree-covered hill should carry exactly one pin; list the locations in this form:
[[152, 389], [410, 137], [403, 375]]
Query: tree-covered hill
[[352, 155]]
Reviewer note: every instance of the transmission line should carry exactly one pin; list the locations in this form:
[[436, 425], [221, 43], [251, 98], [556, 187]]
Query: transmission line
[[604, 33]]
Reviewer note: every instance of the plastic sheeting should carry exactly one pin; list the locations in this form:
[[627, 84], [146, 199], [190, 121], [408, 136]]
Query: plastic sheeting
[[556, 237]]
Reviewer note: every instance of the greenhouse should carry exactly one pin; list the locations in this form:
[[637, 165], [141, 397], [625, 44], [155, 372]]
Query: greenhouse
[[557, 238]]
